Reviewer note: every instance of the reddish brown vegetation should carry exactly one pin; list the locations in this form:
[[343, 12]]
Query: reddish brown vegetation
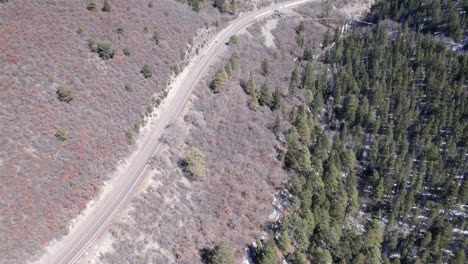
[[41, 184]]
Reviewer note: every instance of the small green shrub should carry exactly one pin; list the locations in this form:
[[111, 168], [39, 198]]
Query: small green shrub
[[105, 50], [80, 30], [120, 29], [106, 7], [91, 5], [127, 51], [156, 37], [167, 13], [65, 93], [93, 45], [129, 87], [129, 136], [61, 134], [150, 5], [146, 28], [147, 71]]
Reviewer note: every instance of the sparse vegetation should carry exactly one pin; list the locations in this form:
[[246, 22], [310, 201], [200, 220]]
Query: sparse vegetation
[[129, 87], [127, 51], [156, 37], [147, 71], [65, 93], [91, 5], [80, 30], [105, 50], [106, 7], [194, 163], [129, 136], [92, 45], [61, 134], [120, 29], [150, 4]]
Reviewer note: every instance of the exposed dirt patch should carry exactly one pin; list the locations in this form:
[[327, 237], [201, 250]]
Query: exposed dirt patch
[[266, 32]]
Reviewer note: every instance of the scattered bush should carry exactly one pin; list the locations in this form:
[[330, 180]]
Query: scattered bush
[[150, 5], [156, 37], [93, 45], [80, 30], [120, 29], [146, 28], [147, 71], [105, 50], [127, 51], [167, 13], [195, 163], [91, 5], [106, 7], [129, 87], [61, 134], [129, 136], [65, 94]]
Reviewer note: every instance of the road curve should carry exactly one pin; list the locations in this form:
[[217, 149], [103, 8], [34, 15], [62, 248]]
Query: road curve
[[126, 182]]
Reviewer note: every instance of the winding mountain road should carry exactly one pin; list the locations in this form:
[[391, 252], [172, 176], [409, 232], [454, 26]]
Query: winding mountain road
[[127, 180]]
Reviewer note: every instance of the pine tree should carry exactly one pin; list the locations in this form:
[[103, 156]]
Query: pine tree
[[327, 39], [267, 254], [307, 79], [284, 242], [295, 78], [265, 67], [304, 161], [220, 80], [254, 101], [234, 60], [265, 95], [251, 87], [276, 128], [299, 258], [301, 125], [222, 254], [229, 70], [276, 101]]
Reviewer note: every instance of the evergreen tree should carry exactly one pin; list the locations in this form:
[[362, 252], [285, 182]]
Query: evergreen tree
[[222, 254], [251, 87], [265, 67], [267, 254], [276, 128], [220, 80], [234, 60], [276, 101], [265, 95], [301, 125], [295, 78]]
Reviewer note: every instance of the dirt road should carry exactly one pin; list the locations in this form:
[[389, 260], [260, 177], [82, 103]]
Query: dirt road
[[92, 223]]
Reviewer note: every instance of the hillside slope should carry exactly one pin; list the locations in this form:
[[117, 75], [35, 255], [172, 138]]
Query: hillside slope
[[55, 154]]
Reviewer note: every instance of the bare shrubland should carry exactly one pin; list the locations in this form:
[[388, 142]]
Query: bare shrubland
[[45, 181]]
